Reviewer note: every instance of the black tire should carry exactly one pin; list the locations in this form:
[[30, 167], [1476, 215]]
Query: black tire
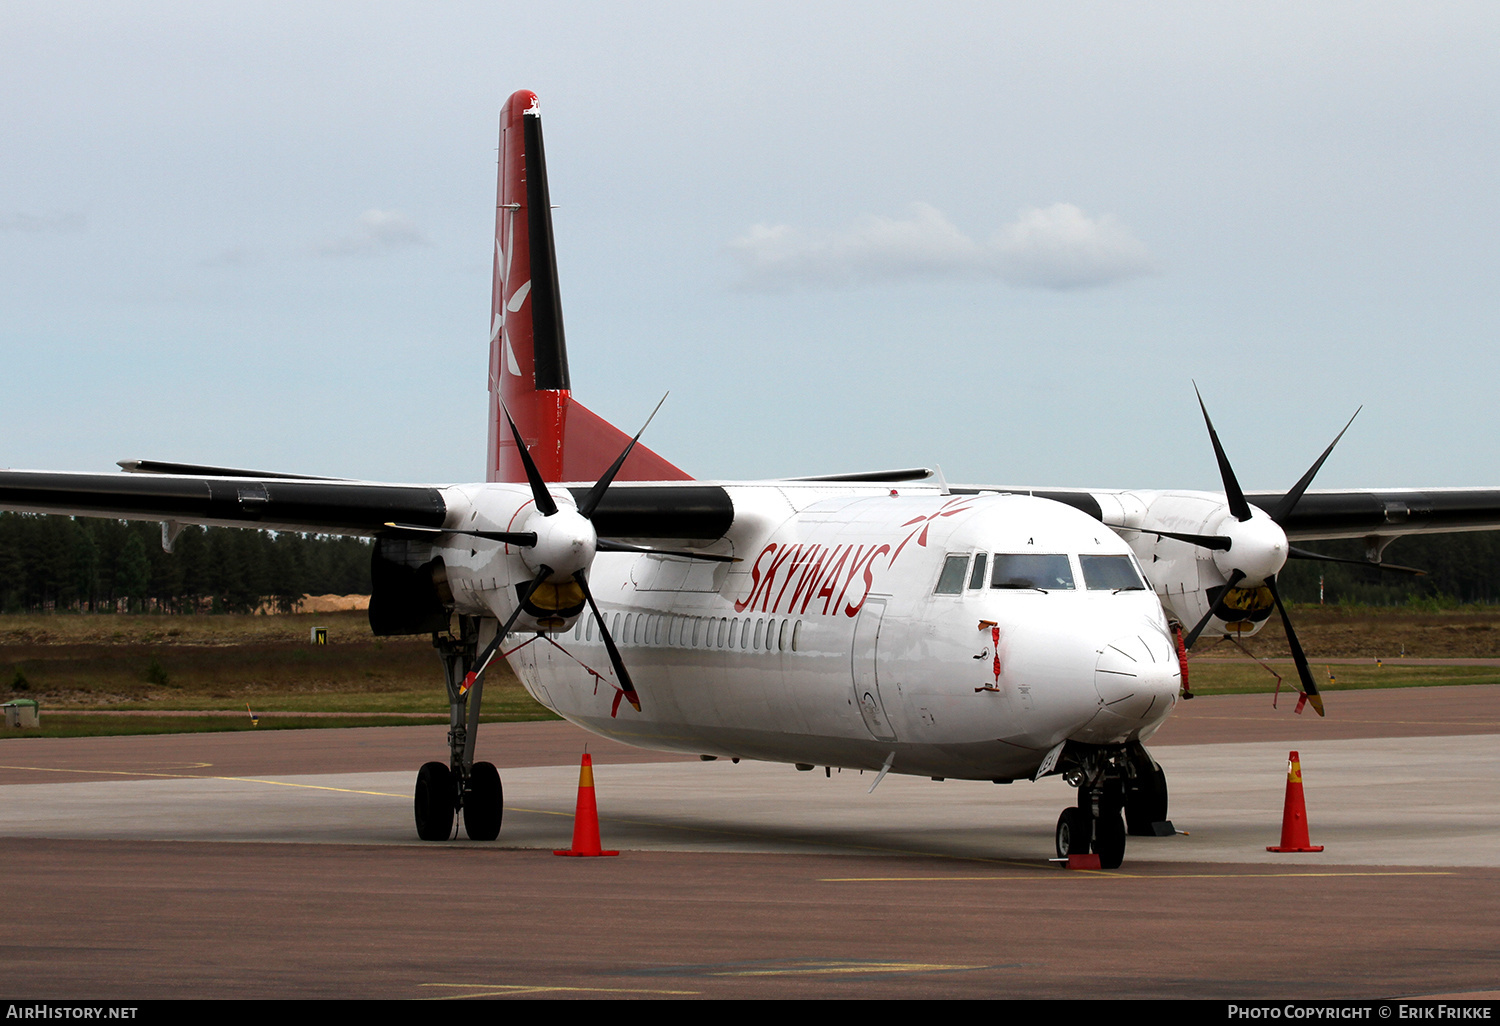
[[1146, 802], [483, 803], [1109, 840], [434, 805], [1075, 827]]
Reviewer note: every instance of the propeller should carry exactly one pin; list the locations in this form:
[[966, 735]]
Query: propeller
[[1297, 553], [559, 546], [1252, 546]]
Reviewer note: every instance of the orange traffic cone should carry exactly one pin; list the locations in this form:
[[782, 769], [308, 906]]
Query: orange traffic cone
[[1294, 813], [586, 818]]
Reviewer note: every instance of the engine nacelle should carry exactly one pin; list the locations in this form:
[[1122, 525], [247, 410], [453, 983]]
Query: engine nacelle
[[1189, 578], [488, 578]]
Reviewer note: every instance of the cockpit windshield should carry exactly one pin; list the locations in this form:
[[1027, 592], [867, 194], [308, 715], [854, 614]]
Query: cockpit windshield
[[1110, 573], [1032, 570]]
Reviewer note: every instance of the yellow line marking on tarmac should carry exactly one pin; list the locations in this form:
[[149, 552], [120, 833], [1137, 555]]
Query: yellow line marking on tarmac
[[207, 776], [845, 968], [1116, 874], [478, 990]]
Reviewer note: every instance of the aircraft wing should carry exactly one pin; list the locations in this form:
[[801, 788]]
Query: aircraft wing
[[1387, 512], [272, 502], [1376, 512], [221, 497]]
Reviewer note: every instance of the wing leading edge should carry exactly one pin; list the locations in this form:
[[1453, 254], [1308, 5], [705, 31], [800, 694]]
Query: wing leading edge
[[692, 512], [276, 503]]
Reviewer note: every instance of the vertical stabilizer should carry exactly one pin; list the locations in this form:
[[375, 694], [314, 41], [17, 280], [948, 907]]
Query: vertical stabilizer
[[528, 353]]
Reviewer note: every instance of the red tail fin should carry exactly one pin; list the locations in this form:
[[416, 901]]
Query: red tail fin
[[528, 356]]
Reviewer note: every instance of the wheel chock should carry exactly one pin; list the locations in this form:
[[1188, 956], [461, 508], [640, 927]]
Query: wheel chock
[[586, 816], [1089, 861]]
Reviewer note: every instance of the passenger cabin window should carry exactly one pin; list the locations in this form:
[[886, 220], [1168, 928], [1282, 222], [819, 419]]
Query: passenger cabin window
[[1110, 573], [1028, 570], [976, 579], [952, 580]]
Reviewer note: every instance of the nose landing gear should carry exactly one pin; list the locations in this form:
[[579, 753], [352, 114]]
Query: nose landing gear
[[1114, 783], [1095, 824]]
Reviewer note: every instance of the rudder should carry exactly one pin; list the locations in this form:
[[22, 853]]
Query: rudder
[[528, 364]]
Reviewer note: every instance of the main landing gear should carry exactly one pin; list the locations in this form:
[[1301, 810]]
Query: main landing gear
[[1116, 786], [463, 785]]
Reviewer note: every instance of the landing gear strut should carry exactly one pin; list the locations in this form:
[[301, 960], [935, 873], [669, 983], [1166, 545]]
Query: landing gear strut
[[1116, 785], [1096, 823], [463, 785]]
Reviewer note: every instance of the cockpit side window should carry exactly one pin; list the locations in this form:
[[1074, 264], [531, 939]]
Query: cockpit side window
[[951, 582], [976, 579], [1032, 570], [1110, 573]]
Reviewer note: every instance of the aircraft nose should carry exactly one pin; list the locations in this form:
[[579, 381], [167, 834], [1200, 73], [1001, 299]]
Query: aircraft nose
[[1137, 677]]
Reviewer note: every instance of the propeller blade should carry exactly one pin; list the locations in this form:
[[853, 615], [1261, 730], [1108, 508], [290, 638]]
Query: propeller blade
[[1207, 541], [1296, 553], [544, 500], [482, 663], [1213, 610], [596, 494], [609, 645], [1290, 499], [1238, 507], [525, 539], [1309, 686], [617, 546]]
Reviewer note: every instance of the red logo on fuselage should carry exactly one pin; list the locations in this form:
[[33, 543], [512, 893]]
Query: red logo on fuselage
[[792, 578], [947, 509], [798, 579]]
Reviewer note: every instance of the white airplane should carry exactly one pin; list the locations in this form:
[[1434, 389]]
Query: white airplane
[[881, 621]]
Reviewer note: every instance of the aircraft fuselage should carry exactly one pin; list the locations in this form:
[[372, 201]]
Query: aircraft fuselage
[[859, 628]]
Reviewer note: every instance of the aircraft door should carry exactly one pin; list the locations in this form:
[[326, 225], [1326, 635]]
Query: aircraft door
[[865, 665]]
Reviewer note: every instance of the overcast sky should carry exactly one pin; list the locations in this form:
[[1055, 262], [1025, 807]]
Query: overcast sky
[[1002, 238]]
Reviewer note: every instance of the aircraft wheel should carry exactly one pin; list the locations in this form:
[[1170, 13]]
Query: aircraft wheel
[[1074, 828], [484, 804], [1109, 840], [1146, 802], [434, 804]]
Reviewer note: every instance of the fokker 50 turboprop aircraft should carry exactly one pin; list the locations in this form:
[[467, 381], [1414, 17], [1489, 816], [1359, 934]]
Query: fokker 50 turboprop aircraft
[[873, 621]]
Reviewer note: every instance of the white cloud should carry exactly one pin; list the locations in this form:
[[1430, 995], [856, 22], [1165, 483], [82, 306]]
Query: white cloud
[[1060, 247], [872, 249], [375, 231]]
